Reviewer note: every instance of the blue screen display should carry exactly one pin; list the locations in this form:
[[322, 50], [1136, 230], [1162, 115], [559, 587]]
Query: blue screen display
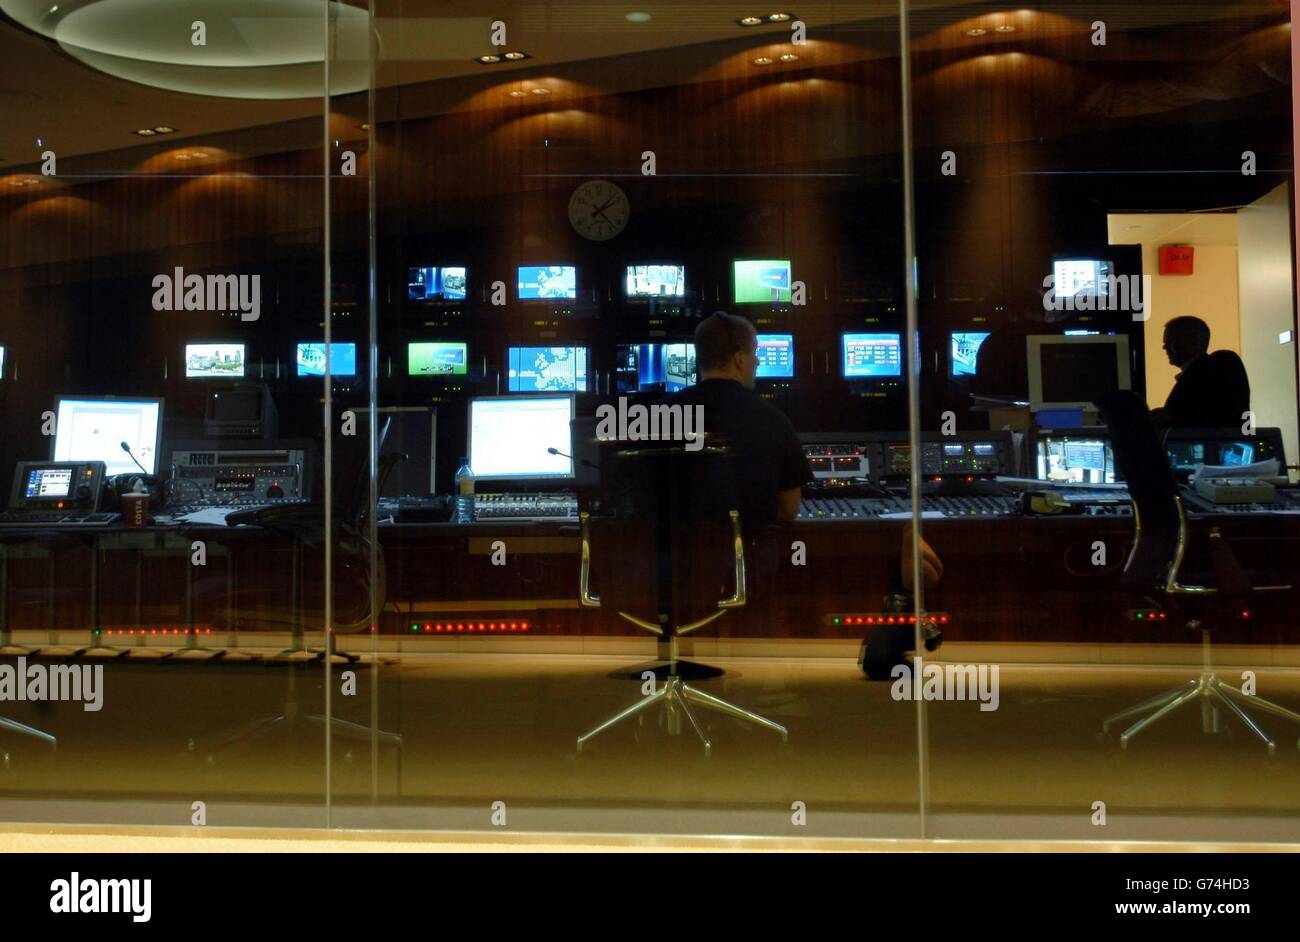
[[965, 347], [648, 367], [870, 356], [548, 283], [775, 356], [311, 359], [547, 369], [436, 284]]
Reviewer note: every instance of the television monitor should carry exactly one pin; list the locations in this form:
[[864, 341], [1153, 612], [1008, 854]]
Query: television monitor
[[436, 283], [1076, 277], [775, 356], [650, 367], [1082, 458], [311, 359], [964, 348], [2, 362], [217, 360], [871, 356], [548, 283], [761, 281], [94, 428], [1073, 372], [509, 437], [656, 281], [546, 369], [1188, 448], [439, 358]]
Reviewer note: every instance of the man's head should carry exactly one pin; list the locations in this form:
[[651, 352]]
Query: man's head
[[726, 347], [1186, 338]]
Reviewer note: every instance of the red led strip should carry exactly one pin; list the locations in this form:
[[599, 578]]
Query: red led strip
[[469, 627]]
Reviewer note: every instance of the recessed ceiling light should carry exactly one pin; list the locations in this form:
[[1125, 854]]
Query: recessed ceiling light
[[541, 91], [163, 129], [637, 17], [488, 60], [763, 60], [23, 181], [789, 57], [977, 31], [145, 132], [365, 127], [750, 20], [1007, 28], [55, 8], [778, 17], [515, 56], [518, 93]]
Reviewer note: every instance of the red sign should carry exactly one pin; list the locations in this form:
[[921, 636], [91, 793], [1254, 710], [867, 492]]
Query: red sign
[[1176, 259]]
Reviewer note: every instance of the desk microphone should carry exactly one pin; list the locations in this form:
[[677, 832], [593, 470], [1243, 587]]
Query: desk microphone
[[127, 448], [582, 461]]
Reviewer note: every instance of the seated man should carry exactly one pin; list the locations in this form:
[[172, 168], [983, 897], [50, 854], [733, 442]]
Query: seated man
[[1212, 391]]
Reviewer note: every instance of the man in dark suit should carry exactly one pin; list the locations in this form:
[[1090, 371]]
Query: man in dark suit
[[1212, 389]]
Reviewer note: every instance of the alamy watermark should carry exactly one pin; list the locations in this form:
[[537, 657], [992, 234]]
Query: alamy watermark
[[1104, 293], [921, 681], [218, 293], [50, 682], [77, 895], [657, 423]]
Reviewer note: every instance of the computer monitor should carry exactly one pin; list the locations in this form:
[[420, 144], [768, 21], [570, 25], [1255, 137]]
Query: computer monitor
[[656, 281], [546, 369], [214, 360], [760, 281], [509, 437], [1074, 459], [436, 283], [652, 367], [1076, 277], [548, 283], [871, 356], [93, 429], [311, 359], [1074, 372], [775, 356], [445, 359], [963, 351], [1189, 448]]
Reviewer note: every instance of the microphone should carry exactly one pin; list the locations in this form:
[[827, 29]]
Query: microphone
[[127, 448], [582, 461]]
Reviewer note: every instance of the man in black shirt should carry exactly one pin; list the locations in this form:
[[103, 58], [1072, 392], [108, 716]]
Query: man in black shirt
[[770, 467], [1212, 391]]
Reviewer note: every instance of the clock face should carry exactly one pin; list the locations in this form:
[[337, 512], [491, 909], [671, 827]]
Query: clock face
[[599, 210]]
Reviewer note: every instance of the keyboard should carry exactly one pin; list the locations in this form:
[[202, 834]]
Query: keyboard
[[180, 510], [540, 507], [22, 518], [867, 508]]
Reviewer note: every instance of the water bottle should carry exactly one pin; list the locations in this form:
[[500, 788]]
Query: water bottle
[[464, 492]]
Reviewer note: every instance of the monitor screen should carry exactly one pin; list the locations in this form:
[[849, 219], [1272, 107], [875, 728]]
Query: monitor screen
[[1189, 455], [1075, 277], [1074, 372], [650, 367], [548, 282], [761, 281], [437, 359], [2, 362], [311, 359], [1076, 460], [509, 437], [214, 360], [656, 281], [94, 430], [430, 283], [871, 356], [47, 483], [547, 369], [964, 347], [775, 356]]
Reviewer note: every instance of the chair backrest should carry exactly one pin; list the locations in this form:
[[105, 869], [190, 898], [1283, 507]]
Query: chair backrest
[[1141, 459]]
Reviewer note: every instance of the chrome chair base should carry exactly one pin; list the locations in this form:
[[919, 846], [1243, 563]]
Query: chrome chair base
[[677, 696], [1214, 695]]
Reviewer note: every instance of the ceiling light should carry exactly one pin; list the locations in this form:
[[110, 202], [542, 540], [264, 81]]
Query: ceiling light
[[365, 127], [637, 17], [977, 31], [146, 132], [23, 181], [789, 57], [488, 60], [1007, 28], [778, 17], [518, 94], [163, 129], [541, 91], [763, 60], [750, 20], [516, 56]]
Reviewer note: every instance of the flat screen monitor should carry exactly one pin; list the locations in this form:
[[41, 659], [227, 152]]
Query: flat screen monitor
[[775, 356], [1076, 277], [436, 283], [651, 367], [872, 356], [761, 281], [546, 369], [509, 437], [656, 281], [548, 283], [2, 362], [93, 429], [214, 360], [437, 359], [311, 359], [1070, 459], [963, 351], [1074, 372]]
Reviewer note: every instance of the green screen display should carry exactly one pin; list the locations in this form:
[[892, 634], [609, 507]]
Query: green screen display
[[761, 281], [436, 359]]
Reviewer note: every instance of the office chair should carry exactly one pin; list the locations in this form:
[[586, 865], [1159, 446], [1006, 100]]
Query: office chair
[[1154, 570], [686, 502]]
